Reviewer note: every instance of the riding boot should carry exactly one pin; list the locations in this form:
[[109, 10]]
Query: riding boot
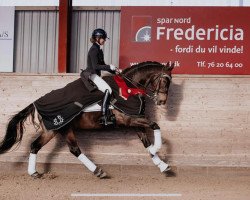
[[107, 118]]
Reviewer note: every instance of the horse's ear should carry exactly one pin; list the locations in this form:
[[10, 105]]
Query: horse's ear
[[171, 67], [165, 68], [167, 65]]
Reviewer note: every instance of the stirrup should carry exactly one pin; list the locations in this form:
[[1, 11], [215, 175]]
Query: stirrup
[[106, 121]]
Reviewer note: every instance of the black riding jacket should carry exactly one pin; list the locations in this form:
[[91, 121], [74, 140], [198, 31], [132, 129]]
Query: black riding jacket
[[95, 61]]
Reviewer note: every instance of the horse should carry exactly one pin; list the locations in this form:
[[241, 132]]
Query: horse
[[150, 79]]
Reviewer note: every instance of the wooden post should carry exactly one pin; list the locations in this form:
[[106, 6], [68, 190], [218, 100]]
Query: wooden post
[[65, 11]]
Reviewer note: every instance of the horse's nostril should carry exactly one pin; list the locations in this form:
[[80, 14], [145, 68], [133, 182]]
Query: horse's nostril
[[162, 102]]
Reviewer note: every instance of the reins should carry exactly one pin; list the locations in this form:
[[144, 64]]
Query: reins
[[134, 83], [137, 84]]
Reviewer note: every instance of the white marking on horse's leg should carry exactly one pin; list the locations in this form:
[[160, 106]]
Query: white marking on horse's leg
[[163, 166], [157, 142], [153, 149], [88, 163], [32, 164], [156, 160], [159, 163]]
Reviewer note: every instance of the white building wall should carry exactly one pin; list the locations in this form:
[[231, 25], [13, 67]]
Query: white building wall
[[83, 23], [205, 3], [29, 2], [246, 3], [128, 3], [36, 41], [159, 3]]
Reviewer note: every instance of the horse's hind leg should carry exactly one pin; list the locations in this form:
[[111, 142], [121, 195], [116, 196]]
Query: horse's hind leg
[[75, 150], [43, 139]]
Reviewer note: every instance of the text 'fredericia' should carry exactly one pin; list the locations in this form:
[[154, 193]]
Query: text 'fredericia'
[[198, 33]]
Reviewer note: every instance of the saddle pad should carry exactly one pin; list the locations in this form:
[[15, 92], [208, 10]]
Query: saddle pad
[[125, 91]]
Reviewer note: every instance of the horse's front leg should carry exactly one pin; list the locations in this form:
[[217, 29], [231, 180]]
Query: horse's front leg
[[164, 167], [152, 148]]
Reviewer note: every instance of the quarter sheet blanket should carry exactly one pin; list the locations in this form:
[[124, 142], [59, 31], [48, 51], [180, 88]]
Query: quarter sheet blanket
[[60, 106]]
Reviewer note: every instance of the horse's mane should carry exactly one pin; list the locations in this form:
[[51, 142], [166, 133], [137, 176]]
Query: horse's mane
[[143, 66]]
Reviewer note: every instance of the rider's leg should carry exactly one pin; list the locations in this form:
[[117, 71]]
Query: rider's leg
[[100, 83], [105, 119], [105, 88]]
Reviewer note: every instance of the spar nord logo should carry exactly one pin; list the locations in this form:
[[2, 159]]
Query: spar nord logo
[[143, 34], [141, 28], [142, 31]]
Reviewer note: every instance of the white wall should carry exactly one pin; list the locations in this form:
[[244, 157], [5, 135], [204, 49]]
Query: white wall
[[128, 3], [206, 123], [6, 38], [161, 3], [246, 3], [206, 2], [29, 2]]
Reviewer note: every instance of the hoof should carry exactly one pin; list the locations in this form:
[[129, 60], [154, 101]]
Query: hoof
[[104, 176], [101, 174], [36, 175], [167, 169], [163, 167], [169, 173]]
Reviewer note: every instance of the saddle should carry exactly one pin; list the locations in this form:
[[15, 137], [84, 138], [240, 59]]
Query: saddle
[[90, 85], [128, 100]]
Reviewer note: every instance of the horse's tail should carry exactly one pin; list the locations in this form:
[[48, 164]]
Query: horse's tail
[[15, 128]]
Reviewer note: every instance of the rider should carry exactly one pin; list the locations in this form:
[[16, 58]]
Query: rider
[[96, 64]]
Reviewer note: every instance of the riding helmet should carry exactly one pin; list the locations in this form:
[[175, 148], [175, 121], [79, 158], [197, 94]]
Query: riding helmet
[[99, 33]]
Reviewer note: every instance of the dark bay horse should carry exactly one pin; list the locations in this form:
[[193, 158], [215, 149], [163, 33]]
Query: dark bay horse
[[151, 77]]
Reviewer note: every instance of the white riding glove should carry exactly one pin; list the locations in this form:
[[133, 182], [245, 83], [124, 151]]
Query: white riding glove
[[112, 67]]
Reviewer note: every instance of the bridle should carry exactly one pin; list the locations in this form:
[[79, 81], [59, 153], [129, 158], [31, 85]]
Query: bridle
[[156, 90], [158, 79]]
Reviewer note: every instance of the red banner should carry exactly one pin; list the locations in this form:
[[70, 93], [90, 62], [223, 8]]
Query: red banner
[[199, 40]]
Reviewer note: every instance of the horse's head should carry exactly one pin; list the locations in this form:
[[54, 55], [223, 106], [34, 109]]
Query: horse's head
[[159, 84], [151, 76]]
